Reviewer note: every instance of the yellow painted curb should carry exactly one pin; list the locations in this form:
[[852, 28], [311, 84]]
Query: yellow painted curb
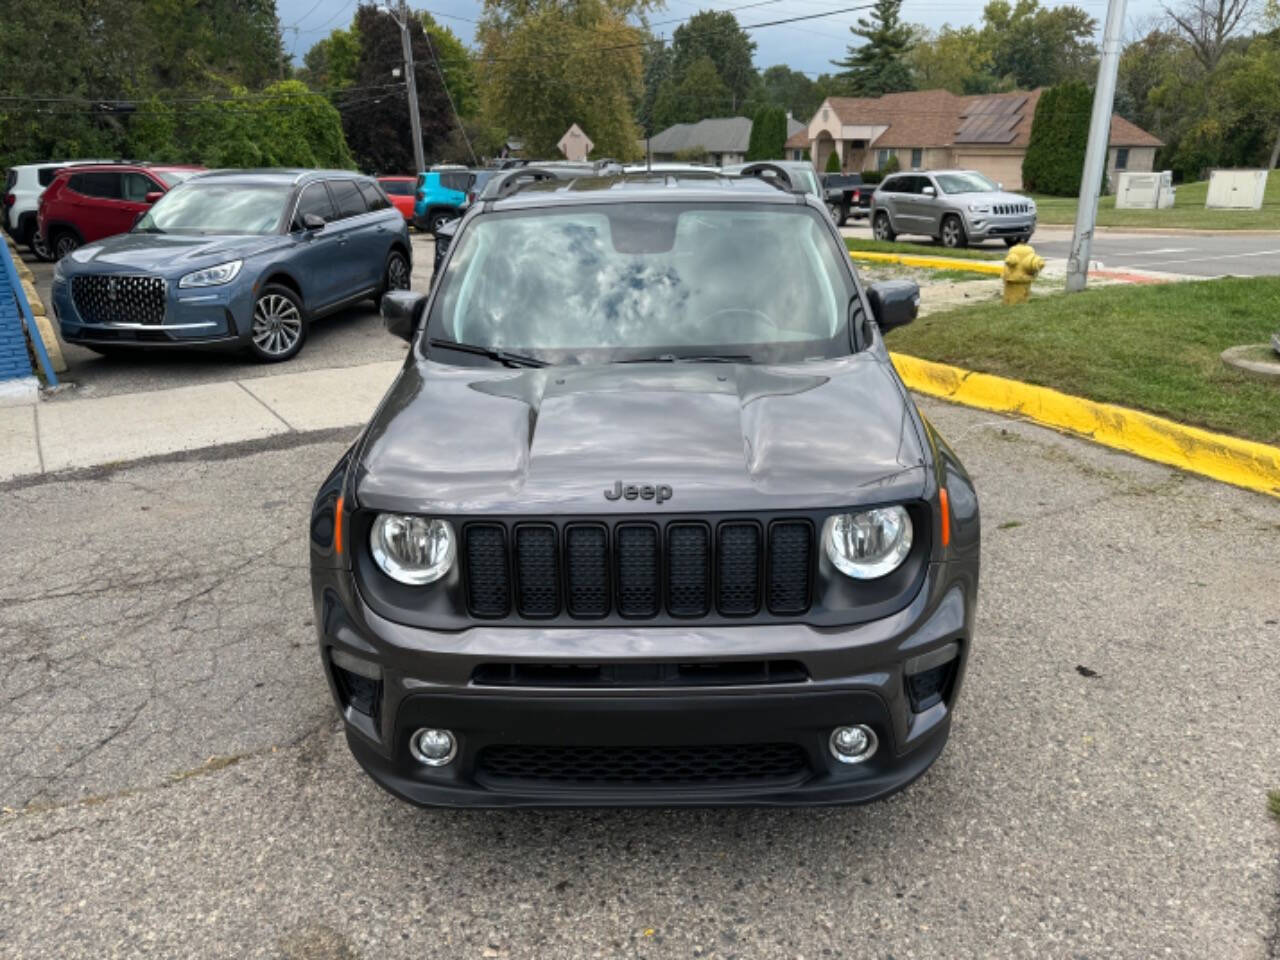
[[1242, 463], [936, 263]]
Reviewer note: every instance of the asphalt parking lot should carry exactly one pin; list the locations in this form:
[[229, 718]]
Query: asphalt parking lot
[[174, 783], [345, 339]]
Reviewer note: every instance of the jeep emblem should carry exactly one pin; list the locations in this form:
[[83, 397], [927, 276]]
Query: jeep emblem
[[642, 491]]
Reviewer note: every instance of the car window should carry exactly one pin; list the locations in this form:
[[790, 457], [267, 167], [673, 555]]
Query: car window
[[456, 180], [313, 200], [46, 175], [347, 198], [893, 185], [610, 281], [397, 188], [104, 185], [215, 206], [137, 186], [374, 198], [11, 178]]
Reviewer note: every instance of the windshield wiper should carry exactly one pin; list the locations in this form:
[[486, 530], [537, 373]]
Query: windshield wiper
[[502, 356], [693, 358]]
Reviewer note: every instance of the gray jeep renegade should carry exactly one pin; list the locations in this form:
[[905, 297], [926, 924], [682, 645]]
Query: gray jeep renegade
[[647, 518]]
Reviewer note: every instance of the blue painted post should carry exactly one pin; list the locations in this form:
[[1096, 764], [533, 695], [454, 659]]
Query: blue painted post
[[13, 348]]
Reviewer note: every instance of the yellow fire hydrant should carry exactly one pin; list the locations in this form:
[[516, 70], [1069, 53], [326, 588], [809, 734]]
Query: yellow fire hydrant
[[1021, 266]]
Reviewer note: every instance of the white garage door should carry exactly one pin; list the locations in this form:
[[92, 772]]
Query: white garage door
[[1001, 167]]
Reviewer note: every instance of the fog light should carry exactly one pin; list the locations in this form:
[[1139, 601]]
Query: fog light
[[433, 747], [853, 744]]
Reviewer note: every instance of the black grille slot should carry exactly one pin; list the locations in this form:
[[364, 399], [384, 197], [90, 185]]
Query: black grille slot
[[699, 765], [738, 568], [537, 571], [790, 543], [587, 570], [713, 673], [688, 569], [488, 589], [637, 570], [112, 298]]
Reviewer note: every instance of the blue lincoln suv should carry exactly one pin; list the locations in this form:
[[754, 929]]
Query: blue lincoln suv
[[241, 259]]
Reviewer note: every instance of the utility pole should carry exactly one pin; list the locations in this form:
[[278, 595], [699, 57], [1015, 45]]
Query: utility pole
[[411, 84], [1095, 154]]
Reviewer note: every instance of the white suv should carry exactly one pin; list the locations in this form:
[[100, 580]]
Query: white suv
[[22, 188]]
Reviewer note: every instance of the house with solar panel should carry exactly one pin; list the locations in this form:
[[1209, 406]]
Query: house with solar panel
[[937, 129]]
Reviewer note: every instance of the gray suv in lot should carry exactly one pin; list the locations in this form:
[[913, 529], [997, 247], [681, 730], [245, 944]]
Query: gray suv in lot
[[956, 207], [647, 517], [240, 259]]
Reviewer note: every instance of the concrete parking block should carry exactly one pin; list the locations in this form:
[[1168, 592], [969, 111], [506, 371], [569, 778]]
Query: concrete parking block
[[19, 451], [321, 399], [135, 425]]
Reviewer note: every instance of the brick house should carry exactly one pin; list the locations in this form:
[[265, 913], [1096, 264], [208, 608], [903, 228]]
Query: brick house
[[934, 129]]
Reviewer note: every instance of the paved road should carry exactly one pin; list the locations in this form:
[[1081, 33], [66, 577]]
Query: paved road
[[1198, 254], [351, 337], [176, 784]]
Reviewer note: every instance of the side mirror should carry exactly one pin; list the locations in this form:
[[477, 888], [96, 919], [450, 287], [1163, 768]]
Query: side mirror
[[401, 311], [313, 221], [929, 192], [894, 303], [152, 197]]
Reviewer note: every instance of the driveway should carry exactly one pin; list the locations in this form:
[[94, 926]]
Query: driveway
[[346, 339], [174, 782]]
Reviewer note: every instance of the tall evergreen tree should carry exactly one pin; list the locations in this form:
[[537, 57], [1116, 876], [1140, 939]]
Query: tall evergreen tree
[[880, 64]]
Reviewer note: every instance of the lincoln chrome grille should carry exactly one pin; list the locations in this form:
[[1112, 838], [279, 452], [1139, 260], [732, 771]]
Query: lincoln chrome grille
[[112, 298], [638, 569]]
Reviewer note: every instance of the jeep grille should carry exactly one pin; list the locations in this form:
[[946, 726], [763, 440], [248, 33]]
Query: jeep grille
[[639, 569]]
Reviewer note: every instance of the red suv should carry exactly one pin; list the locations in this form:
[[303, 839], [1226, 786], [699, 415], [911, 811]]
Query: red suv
[[400, 192], [84, 204]]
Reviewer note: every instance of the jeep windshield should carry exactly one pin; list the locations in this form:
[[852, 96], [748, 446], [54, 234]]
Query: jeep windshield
[[635, 280]]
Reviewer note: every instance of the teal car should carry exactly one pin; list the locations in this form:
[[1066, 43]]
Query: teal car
[[442, 193]]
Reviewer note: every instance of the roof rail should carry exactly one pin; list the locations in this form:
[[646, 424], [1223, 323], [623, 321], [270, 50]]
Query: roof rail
[[771, 173]]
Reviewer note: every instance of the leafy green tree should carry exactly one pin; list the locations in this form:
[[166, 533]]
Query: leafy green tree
[[880, 64], [833, 163], [1031, 46], [456, 64], [331, 63], [716, 35], [955, 59], [659, 66], [1054, 159], [546, 65], [768, 134], [791, 90]]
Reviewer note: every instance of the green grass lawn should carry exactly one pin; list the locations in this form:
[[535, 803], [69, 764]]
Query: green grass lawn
[[1154, 348], [858, 245], [1188, 211]]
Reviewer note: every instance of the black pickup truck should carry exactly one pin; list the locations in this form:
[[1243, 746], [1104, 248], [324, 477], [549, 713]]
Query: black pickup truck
[[846, 196]]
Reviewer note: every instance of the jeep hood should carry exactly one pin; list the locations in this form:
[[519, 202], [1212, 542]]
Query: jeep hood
[[169, 254], [723, 437]]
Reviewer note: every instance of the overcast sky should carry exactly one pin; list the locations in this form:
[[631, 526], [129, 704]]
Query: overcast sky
[[808, 46]]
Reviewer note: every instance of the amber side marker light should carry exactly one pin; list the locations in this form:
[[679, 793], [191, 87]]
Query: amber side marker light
[[337, 526], [945, 503]]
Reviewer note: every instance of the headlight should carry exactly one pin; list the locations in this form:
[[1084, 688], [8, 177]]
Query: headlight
[[212, 276], [868, 544], [979, 208], [413, 550]]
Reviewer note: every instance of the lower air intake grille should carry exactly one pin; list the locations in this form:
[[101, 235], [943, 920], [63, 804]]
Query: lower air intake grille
[[619, 766]]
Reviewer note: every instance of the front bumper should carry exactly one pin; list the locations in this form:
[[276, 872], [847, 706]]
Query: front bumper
[[854, 675], [209, 317], [989, 227]]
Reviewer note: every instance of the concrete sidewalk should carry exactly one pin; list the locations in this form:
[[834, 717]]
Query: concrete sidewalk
[[48, 437]]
